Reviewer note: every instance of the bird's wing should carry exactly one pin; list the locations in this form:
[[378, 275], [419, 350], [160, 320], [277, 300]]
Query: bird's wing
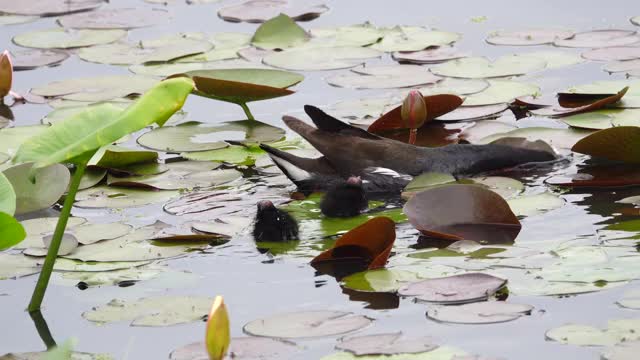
[[330, 124]]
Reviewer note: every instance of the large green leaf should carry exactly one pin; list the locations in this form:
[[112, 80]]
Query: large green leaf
[[7, 196], [85, 132], [11, 232], [240, 86]]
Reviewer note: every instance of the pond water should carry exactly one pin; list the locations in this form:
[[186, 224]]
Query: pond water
[[257, 284]]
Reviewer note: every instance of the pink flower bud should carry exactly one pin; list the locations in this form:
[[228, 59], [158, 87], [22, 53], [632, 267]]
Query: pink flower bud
[[414, 110], [6, 74]]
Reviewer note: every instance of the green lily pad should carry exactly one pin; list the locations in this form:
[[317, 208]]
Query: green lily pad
[[59, 38], [164, 70], [34, 58], [48, 7], [351, 35], [620, 53], [109, 197], [608, 87], [4, 158], [488, 312], [154, 312], [50, 184], [386, 344], [530, 205], [584, 335], [6, 19], [113, 277], [560, 138], [440, 353], [177, 179], [144, 52], [257, 11], [307, 324], [479, 67], [455, 86], [622, 66], [425, 181], [469, 113], [413, 38], [227, 46], [626, 350], [599, 38], [17, 265], [618, 143], [555, 59], [431, 55], [7, 196], [234, 154], [118, 18], [385, 77], [118, 157], [11, 232], [325, 58], [91, 178], [280, 32], [635, 20], [248, 347], [96, 88], [528, 37], [379, 280]]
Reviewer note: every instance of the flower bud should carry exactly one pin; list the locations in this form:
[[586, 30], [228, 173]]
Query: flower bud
[[6, 74], [217, 336], [414, 110]]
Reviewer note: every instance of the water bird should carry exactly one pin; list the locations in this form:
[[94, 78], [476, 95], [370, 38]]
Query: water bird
[[385, 164], [345, 199], [273, 225]]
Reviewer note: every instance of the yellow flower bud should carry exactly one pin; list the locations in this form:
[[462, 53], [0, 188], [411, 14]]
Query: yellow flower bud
[[218, 337]]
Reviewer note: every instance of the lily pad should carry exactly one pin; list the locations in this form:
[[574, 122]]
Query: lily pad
[[7, 196], [7, 19], [16, 266], [620, 53], [240, 348], [257, 11], [622, 66], [470, 113], [530, 205], [431, 55], [438, 105], [327, 58], [50, 184], [108, 197], [457, 289], [489, 312], [630, 300], [59, 38], [33, 58], [559, 138], [280, 32], [227, 227], [307, 324], [468, 212], [618, 143], [154, 312], [600, 38], [379, 280], [48, 7], [413, 38], [626, 350], [555, 59], [177, 179], [351, 35], [480, 67], [96, 88], [440, 353], [117, 18], [583, 335], [385, 77], [528, 37], [386, 344], [146, 52]]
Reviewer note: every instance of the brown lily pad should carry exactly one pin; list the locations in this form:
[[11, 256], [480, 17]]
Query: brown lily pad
[[599, 176], [369, 243], [257, 11], [48, 7], [118, 18], [464, 212], [437, 105], [575, 99], [617, 143]]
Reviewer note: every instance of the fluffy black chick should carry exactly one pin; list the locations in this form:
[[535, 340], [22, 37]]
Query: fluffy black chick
[[273, 224], [344, 199]]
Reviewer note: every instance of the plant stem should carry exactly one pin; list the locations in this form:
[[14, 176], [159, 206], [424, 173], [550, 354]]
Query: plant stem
[[246, 111], [412, 136], [47, 268], [43, 329]]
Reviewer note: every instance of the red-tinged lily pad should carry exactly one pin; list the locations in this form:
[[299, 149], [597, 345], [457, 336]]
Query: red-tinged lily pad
[[48, 7], [437, 105], [599, 103], [386, 344], [456, 289], [306, 324], [600, 38], [240, 86], [617, 143], [464, 212], [368, 243], [257, 11], [118, 18], [34, 58], [619, 53], [432, 55], [599, 176]]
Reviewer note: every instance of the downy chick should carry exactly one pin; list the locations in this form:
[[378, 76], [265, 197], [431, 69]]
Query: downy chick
[[274, 225]]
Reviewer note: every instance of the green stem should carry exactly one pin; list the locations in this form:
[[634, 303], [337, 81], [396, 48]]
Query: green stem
[[49, 261], [43, 329], [247, 111]]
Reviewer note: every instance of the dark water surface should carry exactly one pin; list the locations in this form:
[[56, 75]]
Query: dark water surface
[[252, 284]]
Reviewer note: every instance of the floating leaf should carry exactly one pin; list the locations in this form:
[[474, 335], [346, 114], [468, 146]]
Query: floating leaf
[[600, 38], [386, 344], [488, 312], [530, 205], [33, 58], [470, 113], [157, 311], [59, 38], [456, 289], [227, 227], [257, 11], [630, 300], [119, 18], [6, 19], [369, 243], [466, 212], [7, 196], [556, 59], [11, 232], [108, 197], [618, 143], [479, 67], [97, 88], [385, 77], [177, 179], [146, 52], [626, 350], [425, 181], [413, 38], [50, 184], [379, 280], [620, 53], [558, 138], [528, 37], [596, 104], [241, 348], [500, 91], [437, 106], [48, 7], [599, 176], [351, 35], [326, 58], [432, 55], [280, 32], [440, 353], [217, 336], [307, 324]]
